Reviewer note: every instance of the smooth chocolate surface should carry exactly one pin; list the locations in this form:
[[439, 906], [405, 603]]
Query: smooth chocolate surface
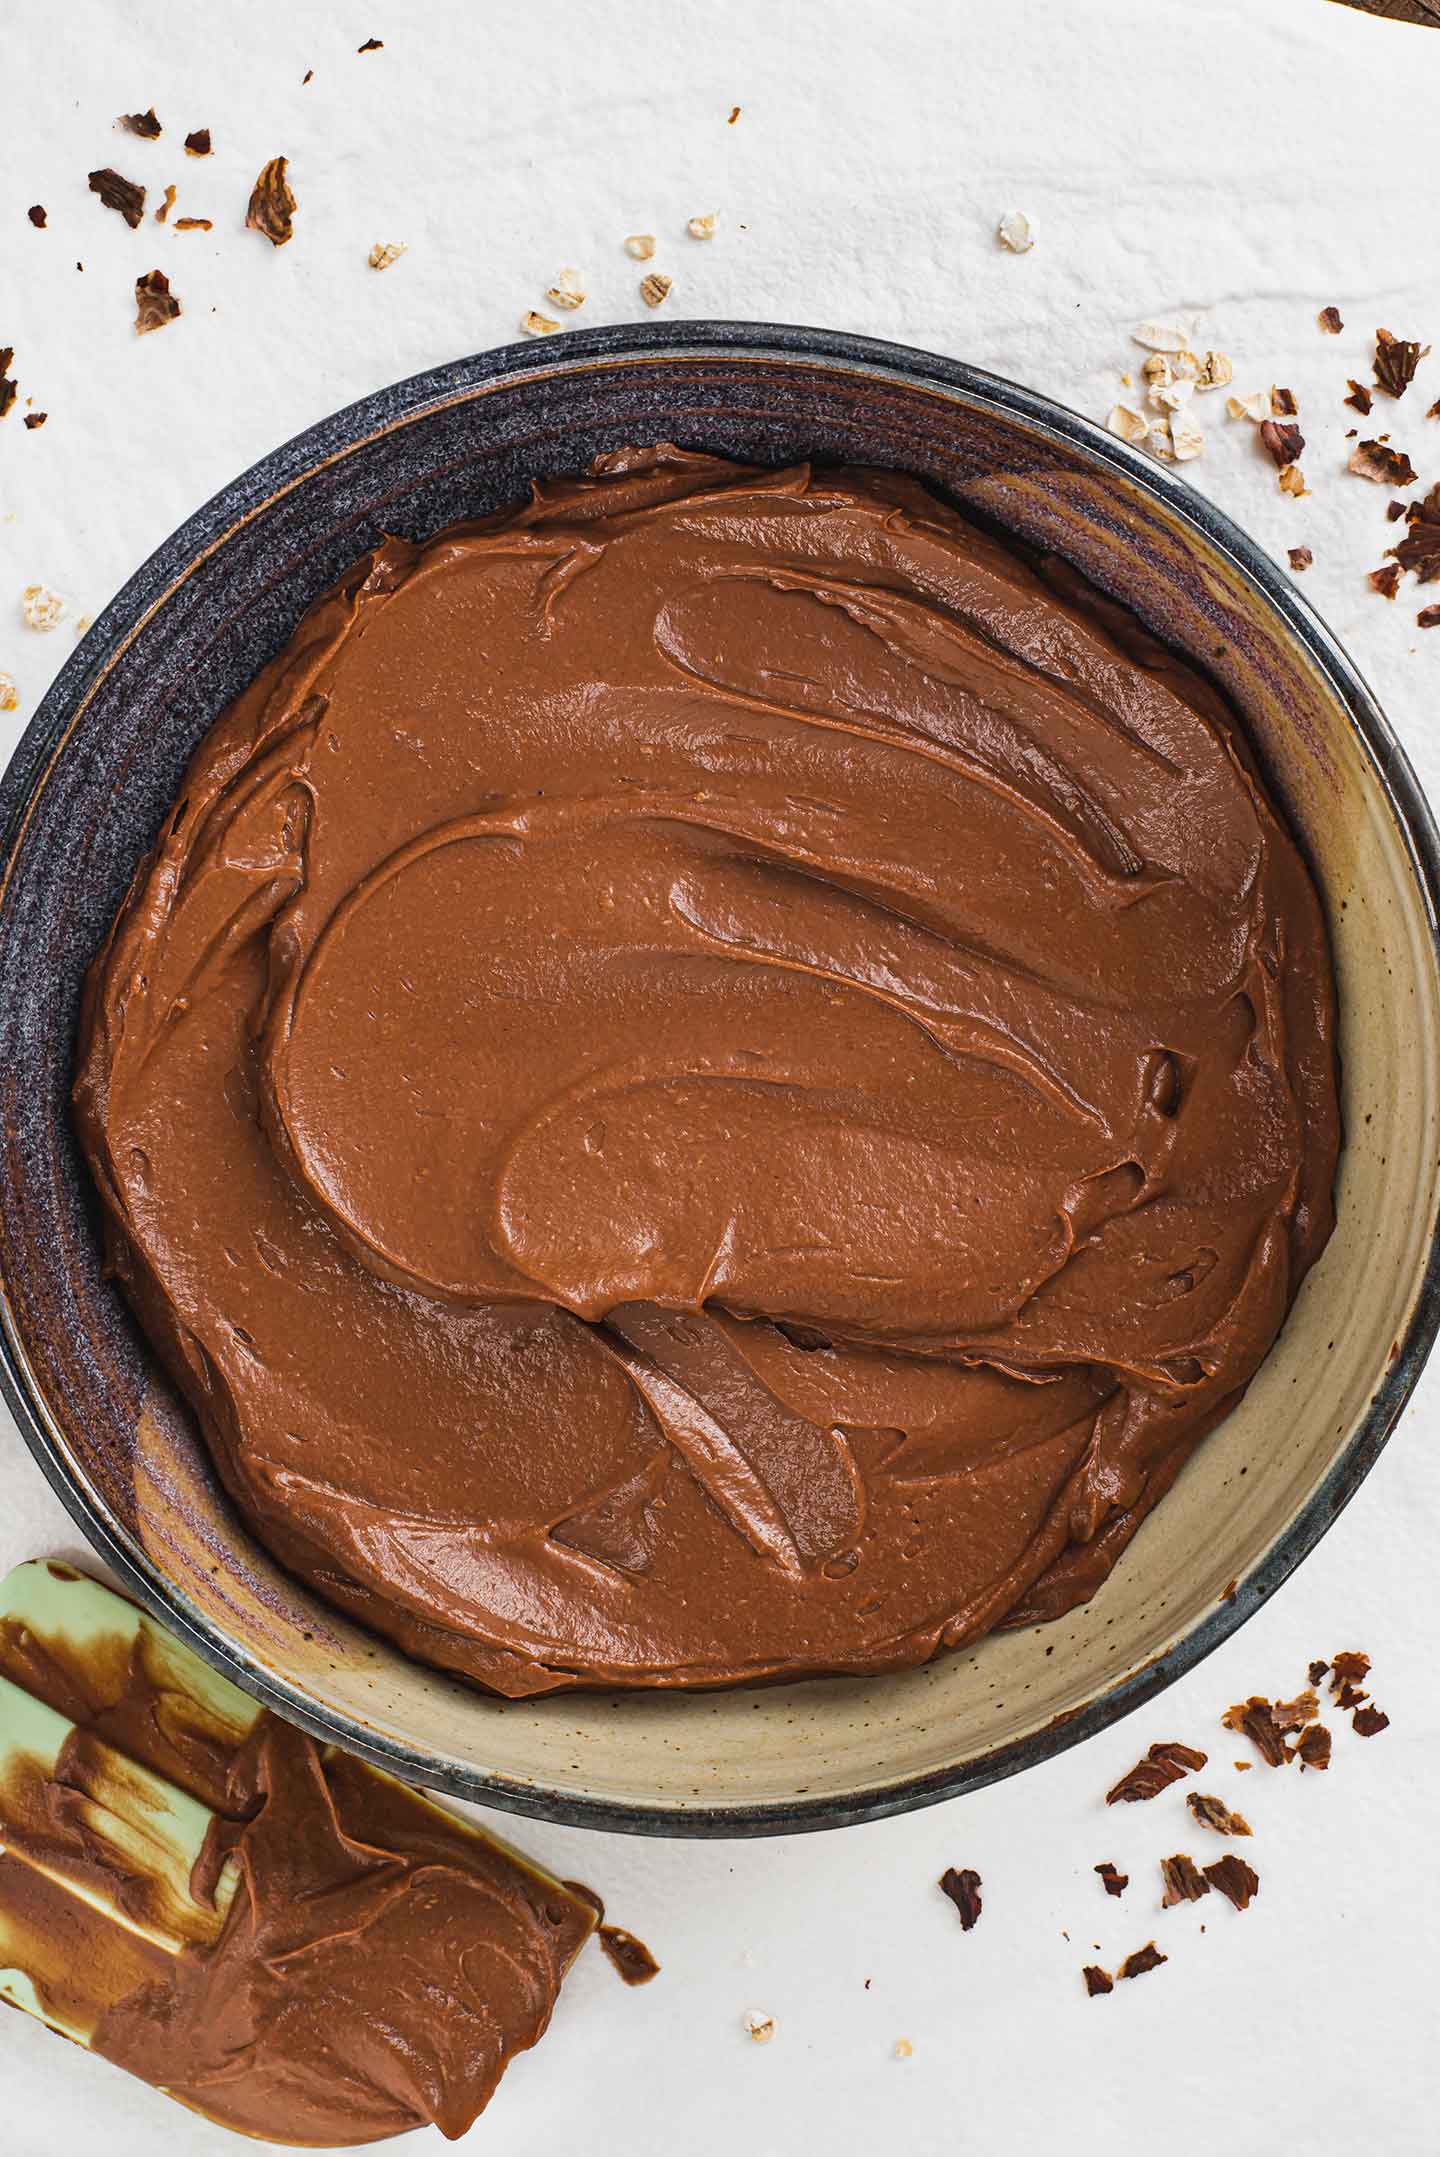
[[713, 1079]]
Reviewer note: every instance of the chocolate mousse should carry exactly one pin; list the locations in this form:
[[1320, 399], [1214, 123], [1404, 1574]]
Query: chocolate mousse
[[714, 1078]]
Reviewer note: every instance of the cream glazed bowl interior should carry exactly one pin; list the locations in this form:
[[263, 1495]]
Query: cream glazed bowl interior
[[99, 767]]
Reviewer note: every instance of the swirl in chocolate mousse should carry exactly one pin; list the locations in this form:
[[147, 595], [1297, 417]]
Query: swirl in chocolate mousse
[[712, 1079]]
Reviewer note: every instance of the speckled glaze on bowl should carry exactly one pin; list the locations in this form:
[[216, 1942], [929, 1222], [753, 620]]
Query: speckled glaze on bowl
[[103, 759]]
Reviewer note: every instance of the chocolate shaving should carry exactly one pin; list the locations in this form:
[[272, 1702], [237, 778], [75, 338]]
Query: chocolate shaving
[[118, 193], [1283, 440], [143, 124], [1184, 1881], [1429, 618], [308, 76], [9, 386], [1419, 550], [1236, 1880], [1396, 359], [1300, 558], [963, 1888], [1144, 1958], [1312, 1747], [1163, 1764], [155, 303], [272, 204], [1097, 1980], [1386, 579], [1318, 1668], [1115, 1881], [193, 224], [1283, 402], [36, 419], [1369, 1722], [734, 115], [1351, 1696], [372, 44], [1434, 411], [1359, 396], [1294, 1714], [1386, 466], [1329, 319], [1352, 1665], [36, 215], [1212, 1812], [1394, 511], [198, 144], [166, 206], [1256, 1718]]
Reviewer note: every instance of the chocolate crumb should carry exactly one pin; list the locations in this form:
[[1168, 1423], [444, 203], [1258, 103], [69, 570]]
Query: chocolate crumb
[[9, 385], [272, 204], [118, 193], [155, 303], [1369, 1722], [631, 1957], [1144, 1958], [734, 115], [1347, 1667], [1242, 1767], [194, 224], [1163, 1764], [1236, 1880], [1396, 359], [166, 206], [308, 76], [1428, 618], [1329, 319], [1386, 579], [36, 215], [1359, 396], [1282, 401], [1097, 1980], [143, 124], [1283, 440], [1394, 511], [372, 44], [963, 1888], [1300, 558], [1312, 1747], [1256, 1718], [1184, 1881], [1115, 1881], [1387, 467], [1214, 1813], [1434, 411], [199, 144], [1318, 1668], [36, 419]]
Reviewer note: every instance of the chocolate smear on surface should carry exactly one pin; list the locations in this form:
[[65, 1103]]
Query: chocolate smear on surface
[[126, 197], [1115, 1881], [1212, 1812], [1238, 1882], [1184, 1881], [1097, 1980], [1163, 1764], [155, 303], [963, 1888], [272, 204], [1144, 1958], [629, 1957], [1396, 359]]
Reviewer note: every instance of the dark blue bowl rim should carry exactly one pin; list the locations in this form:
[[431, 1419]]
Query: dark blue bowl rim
[[405, 401]]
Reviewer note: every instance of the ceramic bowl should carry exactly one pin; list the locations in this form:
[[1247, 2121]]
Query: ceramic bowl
[[99, 767]]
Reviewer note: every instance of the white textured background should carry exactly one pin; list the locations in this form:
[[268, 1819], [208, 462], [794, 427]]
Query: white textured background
[[1250, 161]]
